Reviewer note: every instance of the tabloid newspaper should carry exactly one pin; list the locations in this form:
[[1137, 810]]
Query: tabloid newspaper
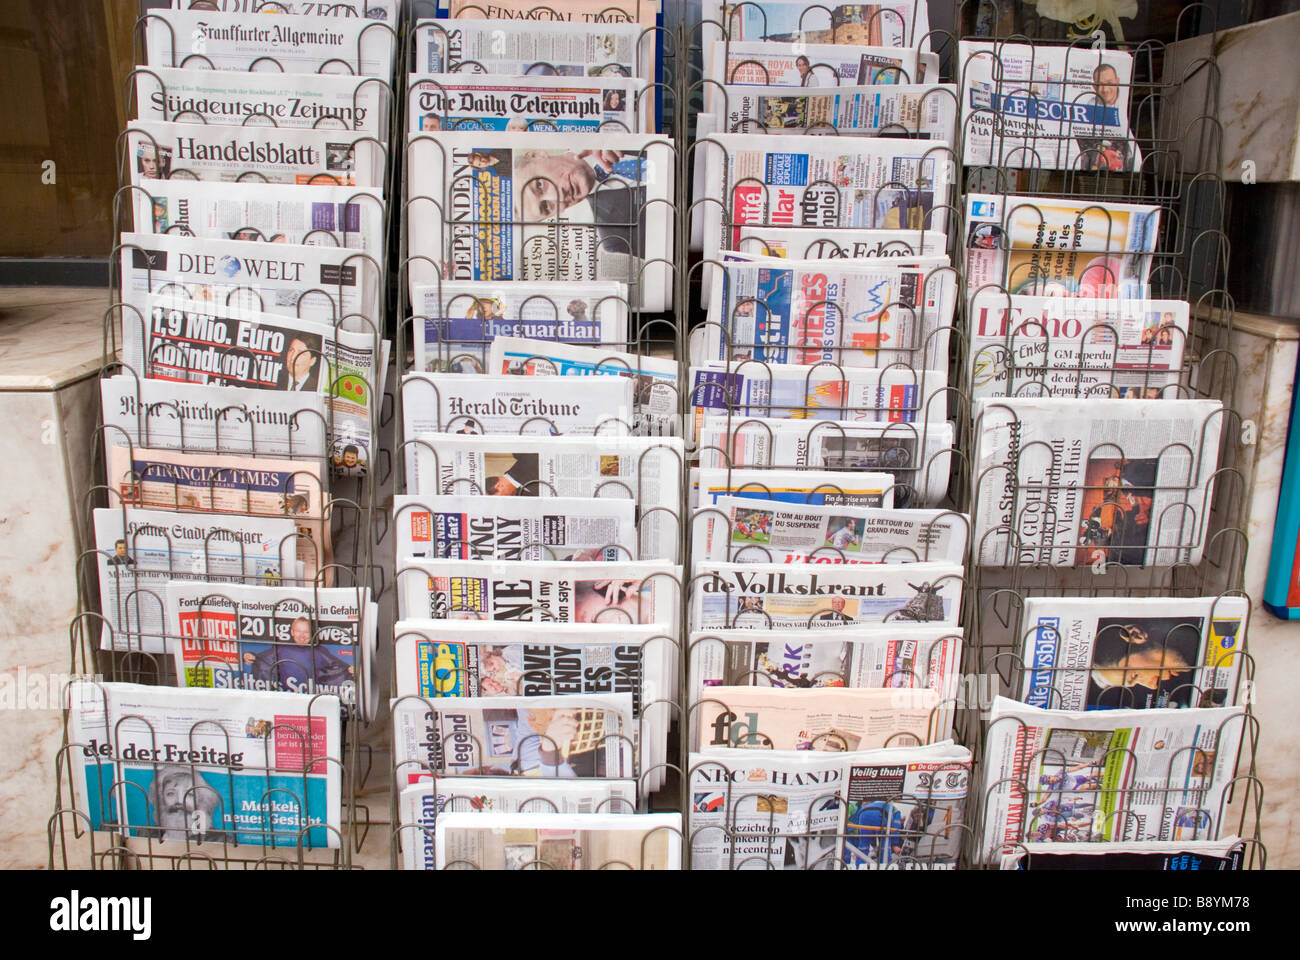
[[344, 104], [828, 243], [384, 10], [645, 591], [514, 528], [1075, 347], [920, 112], [350, 217], [456, 321], [535, 48], [222, 152], [170, 415], [451, 403], [207, 766], [1128, 482], [647, 470], [139, 551], [299, 640], [1046, 107], [467, 101], [559, 841], [644, 12], [577, 735], [297, 43], [1103, 653], [1226, 854], [814, 596], [547, 206], [917, 455], [894, 23], [1055, 247], [797, 487], [899, 807], [1105, 775], [768, 531], [420, 804]]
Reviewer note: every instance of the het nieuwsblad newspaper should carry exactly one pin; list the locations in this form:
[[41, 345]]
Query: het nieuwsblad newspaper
[[559, 841], [467, 101], [383, 10], [451, 403], [536, 48], [1128, 482], [546, 206], [1103, 653], [1024, 346], [1106, 775], [798, 487], [299, 640], [186, 767], [225, 152], [1226, 854], [139, 551]]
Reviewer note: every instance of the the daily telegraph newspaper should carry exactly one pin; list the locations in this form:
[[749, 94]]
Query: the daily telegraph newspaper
[[646, 591], [207, 766], [577, 12], [1103, 653], [827, 243], [898, 807], [1226, 854], [569, 736], [559, 841], [1053, 247], [514, 528], [536, 48], [894, 23], [1046, 107], [467, 101], [922, 113], [762, 596], [917, 455], [170, 415], [351, 217], [347, 105], [225, 152], [295, 43], [454, 322], [548, 206], [451, 403], [140, 551], [420, 805], [1106, 775], [646, 470], [1126, 482], [1023, 346], [383, 10], [797, 487], [300, 640], [768, 531]]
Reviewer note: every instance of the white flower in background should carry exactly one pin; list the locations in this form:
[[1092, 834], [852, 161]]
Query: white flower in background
[[1085, 16]]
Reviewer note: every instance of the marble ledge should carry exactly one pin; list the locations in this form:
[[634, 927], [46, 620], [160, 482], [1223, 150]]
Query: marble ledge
[[49, 337]]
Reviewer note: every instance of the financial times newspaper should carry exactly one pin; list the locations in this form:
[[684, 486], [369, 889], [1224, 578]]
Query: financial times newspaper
[[349, 217], [306, 641], [539, 48], [1101, 653], [559, 841], [456, 321], [224, 152], [1226, 854], [646, 470], [297, 43], [576, 12], [1105, 775], [1052, 247], [548, 206], [450, 403], [466, 101], [1046, 107], [189, 767], [826, 243], [383, 10], [139, 551], [921, 112], [1129, 482], [420, 804], [515, 528], [768, 531], [170, 415], [1025, 346], [345, 104], [894, 23], [766, 596], [795, 487]]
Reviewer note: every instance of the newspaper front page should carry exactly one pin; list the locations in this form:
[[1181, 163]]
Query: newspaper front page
[[893, 23], [796, 487], [534, 48], [451, 403], [559, 841], [817, 65], [921, 112], [576, 12], [926, 249], [382, 10], [467, 101], [1226, 854]]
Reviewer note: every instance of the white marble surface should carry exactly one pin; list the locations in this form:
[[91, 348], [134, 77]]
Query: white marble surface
[[49, 336]]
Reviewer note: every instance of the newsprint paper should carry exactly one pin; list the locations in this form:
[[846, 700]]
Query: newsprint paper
[[922, 112], [1226, 854], [470, 406], [798, 487], [382, 10], [559, 841], [534, 48], [207, 766], [465, 101]]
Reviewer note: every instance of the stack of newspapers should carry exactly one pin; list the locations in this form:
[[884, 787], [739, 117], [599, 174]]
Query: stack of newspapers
[[538, 534], [827, 576], [239, 423]]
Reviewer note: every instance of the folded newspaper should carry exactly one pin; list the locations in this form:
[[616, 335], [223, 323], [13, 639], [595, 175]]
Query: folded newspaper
[[920, 112], [207, 766], [1226, 854], [456, 404], [467, 101], [893, 23], [817, 65], [384, 10], [578, 13], [829, 243], [797, 487], [1127, 481], [559, 841], [534, 48]]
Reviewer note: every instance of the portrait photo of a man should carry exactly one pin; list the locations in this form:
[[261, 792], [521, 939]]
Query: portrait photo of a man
[[301, 366]]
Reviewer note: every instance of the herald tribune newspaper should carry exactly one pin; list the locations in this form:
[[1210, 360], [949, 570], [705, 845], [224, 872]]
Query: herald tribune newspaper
[[450, 403], [190, 767], [539, 48], [559, 841], [456, 101]]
